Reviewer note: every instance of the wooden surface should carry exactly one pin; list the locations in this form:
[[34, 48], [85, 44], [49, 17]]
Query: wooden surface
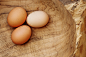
[[79, 15], [56, 39], [65, 2], [81, 49]]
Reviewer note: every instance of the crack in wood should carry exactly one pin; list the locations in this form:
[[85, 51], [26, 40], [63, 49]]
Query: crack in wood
[[11, 5], [3, 13]]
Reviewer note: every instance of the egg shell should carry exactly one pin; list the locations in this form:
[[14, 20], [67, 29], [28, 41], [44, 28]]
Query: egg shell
[[21, 34], [37, 19], [16, 17]]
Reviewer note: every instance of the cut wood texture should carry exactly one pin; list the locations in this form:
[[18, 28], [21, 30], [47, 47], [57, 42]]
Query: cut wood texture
[[56, 39], [81, 12], [78, 11]]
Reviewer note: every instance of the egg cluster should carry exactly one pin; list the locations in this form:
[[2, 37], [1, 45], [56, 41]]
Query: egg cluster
[[18, 16]]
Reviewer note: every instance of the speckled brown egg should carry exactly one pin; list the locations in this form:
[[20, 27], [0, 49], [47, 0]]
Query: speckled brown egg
[[21, 34], [16, 17]]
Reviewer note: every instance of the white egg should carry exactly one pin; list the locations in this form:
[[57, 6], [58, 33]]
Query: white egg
[[37, 19]]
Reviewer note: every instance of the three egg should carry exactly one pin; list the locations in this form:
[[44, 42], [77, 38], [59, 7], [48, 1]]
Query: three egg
[[18, 16]]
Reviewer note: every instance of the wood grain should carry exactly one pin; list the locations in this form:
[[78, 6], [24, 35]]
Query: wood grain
[[56, 39], [81, 50]]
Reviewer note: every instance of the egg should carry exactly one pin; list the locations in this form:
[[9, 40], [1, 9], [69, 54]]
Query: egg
[[16, 17], [21, 34], [37, 19]]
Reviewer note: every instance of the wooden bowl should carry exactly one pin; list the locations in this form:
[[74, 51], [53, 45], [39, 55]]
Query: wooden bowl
[[56, 39]]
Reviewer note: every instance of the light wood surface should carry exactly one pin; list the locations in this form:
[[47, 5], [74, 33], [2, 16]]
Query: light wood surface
[[81, 49], [56, 39]]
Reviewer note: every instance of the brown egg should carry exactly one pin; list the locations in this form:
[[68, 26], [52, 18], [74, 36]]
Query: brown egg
[[21, 34], [37, 19], [16, 17]]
